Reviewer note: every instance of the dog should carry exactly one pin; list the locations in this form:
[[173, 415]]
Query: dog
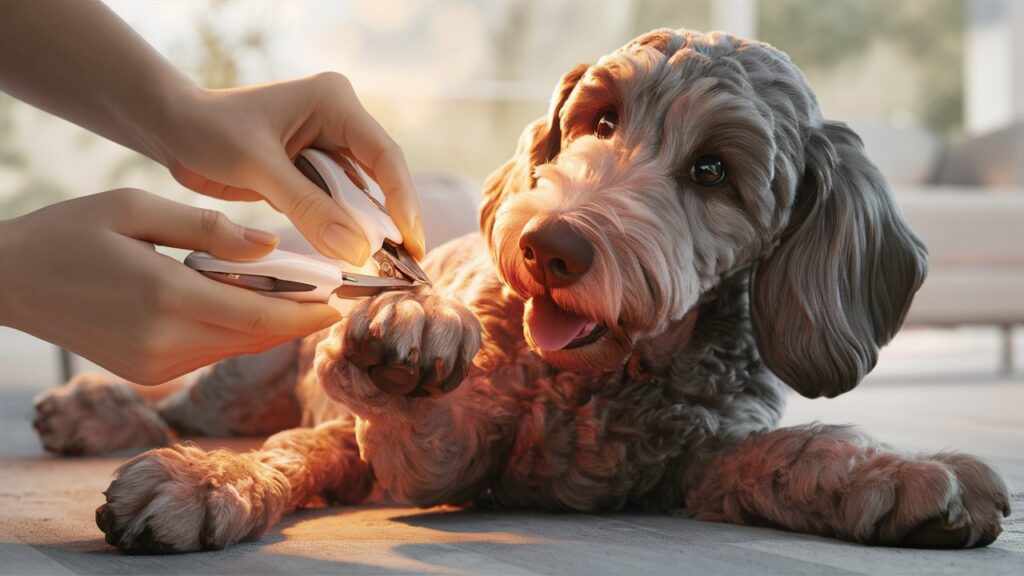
[[678, 239]]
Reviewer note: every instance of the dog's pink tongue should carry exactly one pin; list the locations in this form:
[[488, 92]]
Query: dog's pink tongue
[[551, 327]]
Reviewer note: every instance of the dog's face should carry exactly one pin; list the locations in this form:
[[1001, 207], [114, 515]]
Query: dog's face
[[670, 164]]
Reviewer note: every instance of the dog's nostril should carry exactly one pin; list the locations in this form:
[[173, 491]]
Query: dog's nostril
[[528, 253], [558, 266]]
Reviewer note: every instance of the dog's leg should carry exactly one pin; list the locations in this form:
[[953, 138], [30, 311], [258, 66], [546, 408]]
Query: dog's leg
[[252, 395], [424, 450], [247, 395], [834, 481], [183, 499], [92, 414]]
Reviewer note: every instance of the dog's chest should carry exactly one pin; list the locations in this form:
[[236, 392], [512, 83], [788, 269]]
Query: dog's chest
[[590, 443], [572, 440]]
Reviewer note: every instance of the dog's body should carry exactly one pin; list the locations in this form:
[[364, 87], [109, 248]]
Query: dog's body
[[683, 227]]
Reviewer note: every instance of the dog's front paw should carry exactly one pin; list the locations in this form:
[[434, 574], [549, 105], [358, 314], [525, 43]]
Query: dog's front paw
[[947, 501], [183, 499], [974, 517], [91, 414], [413, 343]]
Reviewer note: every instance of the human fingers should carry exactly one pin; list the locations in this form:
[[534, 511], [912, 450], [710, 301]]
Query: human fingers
[[371, 145], [328, 228], [153, 219], [208, 187], [244, 311]]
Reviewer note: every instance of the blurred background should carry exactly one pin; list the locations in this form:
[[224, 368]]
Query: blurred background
[[935, 87], [455, 82]]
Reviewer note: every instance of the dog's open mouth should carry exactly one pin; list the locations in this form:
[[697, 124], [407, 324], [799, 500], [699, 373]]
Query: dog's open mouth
[[554, 328]]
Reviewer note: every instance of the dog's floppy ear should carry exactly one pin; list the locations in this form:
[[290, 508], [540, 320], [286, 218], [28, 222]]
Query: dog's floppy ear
[[839, 284], [539, 143]]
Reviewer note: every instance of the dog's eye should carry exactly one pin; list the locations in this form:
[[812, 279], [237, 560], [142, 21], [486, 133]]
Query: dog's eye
[[606, 124], [708, 170]]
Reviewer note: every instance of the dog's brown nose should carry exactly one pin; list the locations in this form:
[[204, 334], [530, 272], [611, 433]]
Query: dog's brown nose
[[555, 254]]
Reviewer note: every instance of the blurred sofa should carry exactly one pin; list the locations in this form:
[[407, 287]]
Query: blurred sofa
[[965, 199], [975, 241]]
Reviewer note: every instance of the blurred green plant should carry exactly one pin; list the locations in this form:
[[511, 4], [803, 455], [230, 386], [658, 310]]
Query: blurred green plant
[[35, 192], [651, 14], [219, 53], [31, 190], [10, 156], [820, 35], [216, 65]]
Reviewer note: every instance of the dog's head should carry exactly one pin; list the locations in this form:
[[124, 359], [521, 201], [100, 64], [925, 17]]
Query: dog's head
[[674, 162]]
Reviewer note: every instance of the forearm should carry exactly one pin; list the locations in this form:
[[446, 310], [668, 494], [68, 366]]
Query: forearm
[[321, 461], [425, 452], [790, 477], [435, 453], [8, 295], [79, 61]]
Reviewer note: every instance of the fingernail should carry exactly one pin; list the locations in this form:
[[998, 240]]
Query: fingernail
[[259, 236], [342, 242], [420, 241]]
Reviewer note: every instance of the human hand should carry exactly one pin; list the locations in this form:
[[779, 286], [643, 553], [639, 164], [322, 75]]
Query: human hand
[[236, 144], [239, 144], [84, 274]]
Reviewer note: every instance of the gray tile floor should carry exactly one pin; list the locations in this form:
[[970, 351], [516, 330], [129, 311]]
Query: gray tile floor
[[953, 400]]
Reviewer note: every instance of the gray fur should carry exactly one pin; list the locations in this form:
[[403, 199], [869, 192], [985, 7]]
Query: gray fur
[[840, 284], [798, 267]]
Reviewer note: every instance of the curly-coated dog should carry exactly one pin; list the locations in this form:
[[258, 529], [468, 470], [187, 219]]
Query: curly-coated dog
[[678, 239]]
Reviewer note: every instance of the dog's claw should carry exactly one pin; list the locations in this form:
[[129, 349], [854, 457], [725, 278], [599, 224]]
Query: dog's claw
[[940, 534], [458, 374], [104, 520], [73, 447]]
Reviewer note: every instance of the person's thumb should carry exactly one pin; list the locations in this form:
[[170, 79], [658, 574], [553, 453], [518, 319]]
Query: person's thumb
[[324, 224]]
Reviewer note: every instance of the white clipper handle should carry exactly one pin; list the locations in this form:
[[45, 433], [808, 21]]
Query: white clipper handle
[[279, 264], [374, 222]]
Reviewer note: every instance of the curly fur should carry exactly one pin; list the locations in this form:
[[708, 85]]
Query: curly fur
[[794, 271]]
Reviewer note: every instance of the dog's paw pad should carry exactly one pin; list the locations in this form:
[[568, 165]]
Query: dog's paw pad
[[938, 534], [395, 379], [413, 344]]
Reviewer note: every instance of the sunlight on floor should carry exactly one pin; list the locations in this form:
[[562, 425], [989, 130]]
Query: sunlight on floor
[[392, 537], [399, 523]]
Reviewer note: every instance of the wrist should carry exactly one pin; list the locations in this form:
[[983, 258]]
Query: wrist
[[180, 107], [175, 101]]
